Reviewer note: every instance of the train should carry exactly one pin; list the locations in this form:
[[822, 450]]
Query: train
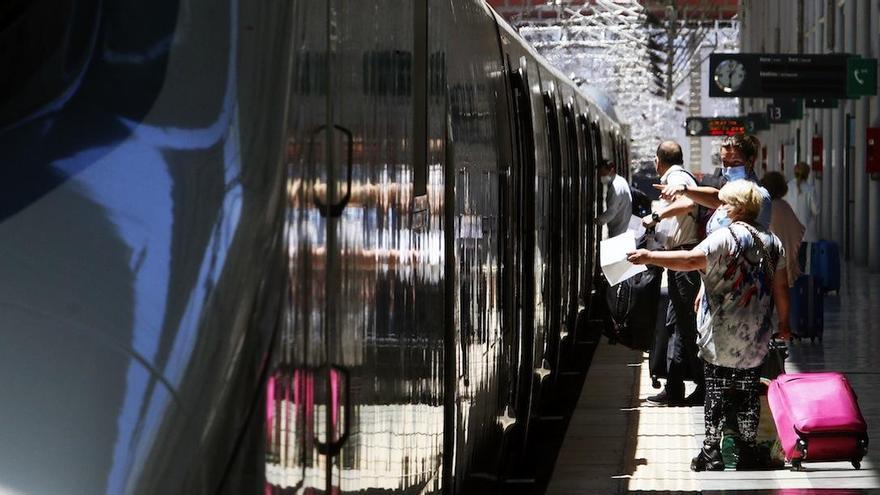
[[287, 247]]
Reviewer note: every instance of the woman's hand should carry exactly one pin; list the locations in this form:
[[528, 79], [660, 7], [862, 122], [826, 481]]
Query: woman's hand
[[670, 191], [638, 257]]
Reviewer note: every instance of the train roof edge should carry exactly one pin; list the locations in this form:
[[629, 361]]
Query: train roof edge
[[588, 93]]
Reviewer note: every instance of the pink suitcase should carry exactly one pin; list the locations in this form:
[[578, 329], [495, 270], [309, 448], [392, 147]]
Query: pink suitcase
[[817, 417]]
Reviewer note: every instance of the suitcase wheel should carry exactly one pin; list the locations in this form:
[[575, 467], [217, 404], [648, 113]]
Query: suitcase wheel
[[857, 464], [655, 382], [797, 465]]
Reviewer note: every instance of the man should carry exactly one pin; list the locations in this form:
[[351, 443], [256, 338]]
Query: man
[[738, 155], [618, 200], [676, 218]]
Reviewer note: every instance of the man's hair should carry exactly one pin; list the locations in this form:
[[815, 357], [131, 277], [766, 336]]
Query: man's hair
[[774, 183], [606, 164], [747, 144], [742, 195], [669, 153]]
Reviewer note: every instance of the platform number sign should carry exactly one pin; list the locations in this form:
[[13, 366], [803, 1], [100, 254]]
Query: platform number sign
[[783, 110]]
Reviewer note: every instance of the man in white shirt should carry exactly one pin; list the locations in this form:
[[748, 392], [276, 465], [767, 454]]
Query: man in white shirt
[[618, 200], [675, 220]]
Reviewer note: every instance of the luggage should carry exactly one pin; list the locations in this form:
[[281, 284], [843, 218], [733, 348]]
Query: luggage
[[806, 313], [825, 264], [817, 418], [657, 364], [632, 305]]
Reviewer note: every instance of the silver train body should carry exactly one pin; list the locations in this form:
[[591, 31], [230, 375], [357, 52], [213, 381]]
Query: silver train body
[[308, 246]]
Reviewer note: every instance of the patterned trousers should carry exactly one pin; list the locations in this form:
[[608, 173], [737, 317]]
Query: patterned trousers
[[732, 395]]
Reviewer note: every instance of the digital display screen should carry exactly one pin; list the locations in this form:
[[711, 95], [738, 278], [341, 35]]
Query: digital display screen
[[716, 126]]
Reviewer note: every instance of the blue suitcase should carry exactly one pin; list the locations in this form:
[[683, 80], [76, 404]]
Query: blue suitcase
[[825, 261], [807, 308]]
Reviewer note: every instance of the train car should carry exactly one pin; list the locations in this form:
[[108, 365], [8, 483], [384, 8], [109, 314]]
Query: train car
[[286, 247]]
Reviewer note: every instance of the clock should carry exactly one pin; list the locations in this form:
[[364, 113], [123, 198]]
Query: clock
[[729, 75], [694, 127]]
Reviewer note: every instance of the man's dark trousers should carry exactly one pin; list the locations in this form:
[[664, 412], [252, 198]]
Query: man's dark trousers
[[681, 354]]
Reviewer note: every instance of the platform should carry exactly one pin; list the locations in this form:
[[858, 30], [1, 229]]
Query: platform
[[617, 442]]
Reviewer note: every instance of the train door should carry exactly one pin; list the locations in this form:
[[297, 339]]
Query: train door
[[521, 262], [361, 363], [572, 226], [587, 190], [555, 239]]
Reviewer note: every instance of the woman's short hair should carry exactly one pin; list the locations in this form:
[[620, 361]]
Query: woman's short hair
[[744, 196], [801, 170], [774, 183]]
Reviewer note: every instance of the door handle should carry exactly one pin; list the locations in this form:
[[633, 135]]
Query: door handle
[[337, 405], [335, 209]]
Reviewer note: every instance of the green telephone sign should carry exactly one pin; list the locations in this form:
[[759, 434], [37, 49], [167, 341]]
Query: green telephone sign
[[861, 79]]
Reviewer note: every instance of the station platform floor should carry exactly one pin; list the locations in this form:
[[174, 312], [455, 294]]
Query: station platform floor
[[617, 442]]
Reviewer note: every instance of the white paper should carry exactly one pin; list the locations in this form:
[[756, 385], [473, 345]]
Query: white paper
[[635, 225], [613, 258]]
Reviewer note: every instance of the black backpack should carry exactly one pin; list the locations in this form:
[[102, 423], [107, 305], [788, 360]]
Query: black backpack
[[641, 203], [632, 305]]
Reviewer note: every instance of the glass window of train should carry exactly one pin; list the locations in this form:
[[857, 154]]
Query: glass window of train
[[586, 142], [53, 42], [552, 129], [420, 99], [597, 142]]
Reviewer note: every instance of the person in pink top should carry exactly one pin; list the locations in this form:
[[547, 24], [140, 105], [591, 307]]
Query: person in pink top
[[784, 223]]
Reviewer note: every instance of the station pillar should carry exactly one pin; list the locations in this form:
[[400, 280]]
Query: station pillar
[[873, 17]]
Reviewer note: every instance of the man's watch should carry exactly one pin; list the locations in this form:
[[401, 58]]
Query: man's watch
[[684, 188], [655, 216]]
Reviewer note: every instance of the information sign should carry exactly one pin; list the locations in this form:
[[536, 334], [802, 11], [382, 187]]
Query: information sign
[[768, 75], [783, 110], [820, 102], [715, 126], [757, 122], [861, 76]]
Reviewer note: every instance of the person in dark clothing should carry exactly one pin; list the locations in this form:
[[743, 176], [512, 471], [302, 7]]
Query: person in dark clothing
[[675, 222]]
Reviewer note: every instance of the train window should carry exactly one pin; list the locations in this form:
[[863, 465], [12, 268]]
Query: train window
[[552, 123], [48, 44], [420, 99], [523, 121], [597, 143], [587, 137], [571, 142]]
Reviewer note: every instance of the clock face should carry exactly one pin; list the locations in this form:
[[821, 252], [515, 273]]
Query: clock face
[[694, 127], [729, 75]]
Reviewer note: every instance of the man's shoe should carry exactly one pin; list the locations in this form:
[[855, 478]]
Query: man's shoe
[[697, 398], [709, 459], [661, 399], [665, 399]]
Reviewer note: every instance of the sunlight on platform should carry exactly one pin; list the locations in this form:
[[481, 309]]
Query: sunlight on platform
[[617, 442]]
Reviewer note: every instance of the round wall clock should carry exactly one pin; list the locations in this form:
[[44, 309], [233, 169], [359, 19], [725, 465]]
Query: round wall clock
[[729, 75]]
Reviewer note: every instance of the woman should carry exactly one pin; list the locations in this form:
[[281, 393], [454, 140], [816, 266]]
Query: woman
[[784, 223], [743, 271], [804, 200]]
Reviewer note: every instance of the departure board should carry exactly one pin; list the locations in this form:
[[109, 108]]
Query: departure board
[[715, 126]]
